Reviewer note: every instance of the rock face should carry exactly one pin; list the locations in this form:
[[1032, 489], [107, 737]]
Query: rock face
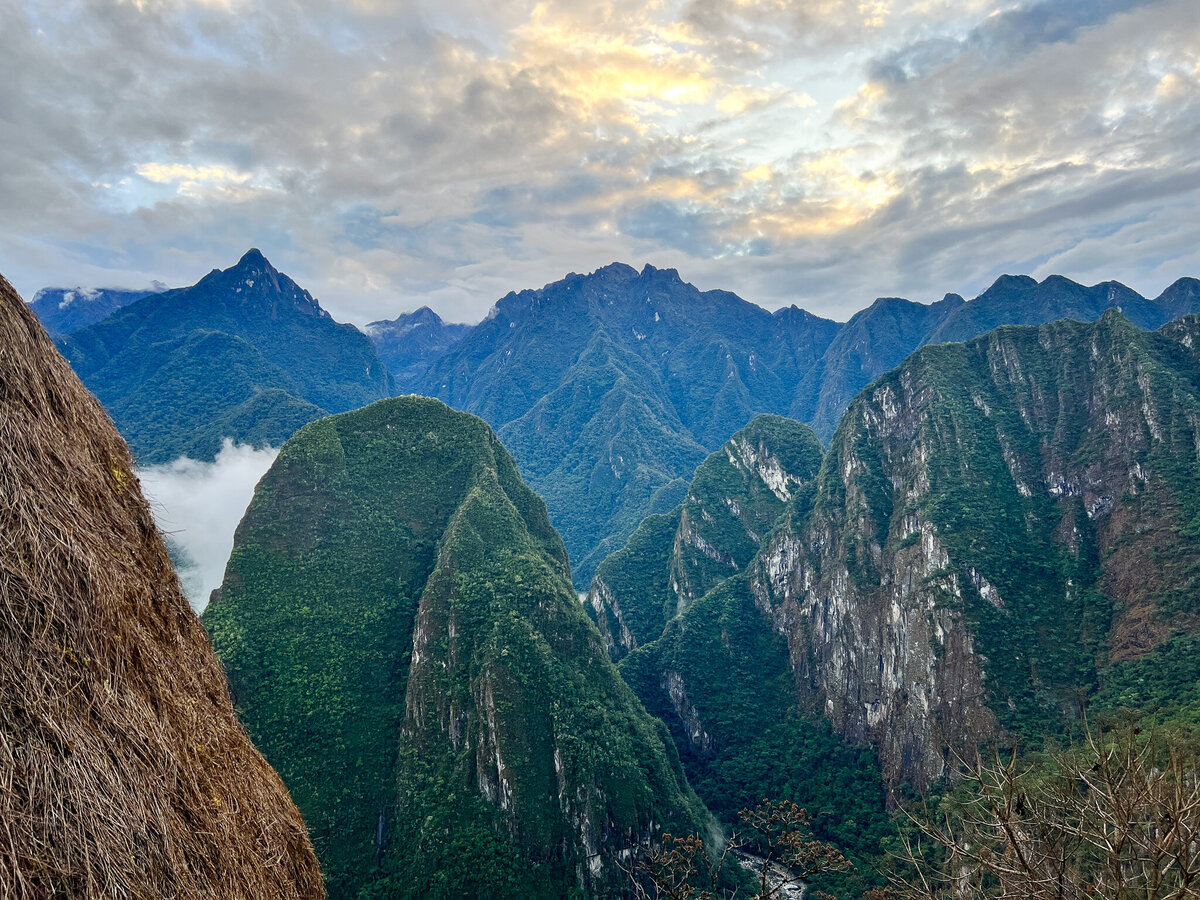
[[398, 623], [975, 554], [125, 771], [731, 505]]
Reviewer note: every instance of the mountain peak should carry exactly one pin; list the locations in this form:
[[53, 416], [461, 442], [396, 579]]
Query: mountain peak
[[669, 274], [1013, 281], [1182, 288], [405, 322], [253, 258], [617, 270]]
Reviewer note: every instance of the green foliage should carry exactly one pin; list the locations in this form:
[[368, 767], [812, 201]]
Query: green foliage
[[756, 741], [600, 447], [1163, 686], [399, 628], [729, 508]]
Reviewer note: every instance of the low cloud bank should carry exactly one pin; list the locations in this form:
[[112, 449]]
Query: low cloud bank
[[198, 506]]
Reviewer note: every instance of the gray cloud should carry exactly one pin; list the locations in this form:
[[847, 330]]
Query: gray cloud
[[393, 154]]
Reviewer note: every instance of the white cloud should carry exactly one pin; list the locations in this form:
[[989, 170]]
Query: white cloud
[[394, 154], [198, 505]]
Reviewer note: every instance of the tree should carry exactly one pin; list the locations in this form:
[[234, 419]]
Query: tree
[[775, 841], [1116, 817]]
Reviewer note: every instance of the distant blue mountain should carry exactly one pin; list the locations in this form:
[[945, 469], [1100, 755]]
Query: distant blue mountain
[[411, 343], [244, 353]]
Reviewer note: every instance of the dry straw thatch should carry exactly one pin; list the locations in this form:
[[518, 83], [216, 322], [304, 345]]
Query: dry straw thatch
[[124, 772]]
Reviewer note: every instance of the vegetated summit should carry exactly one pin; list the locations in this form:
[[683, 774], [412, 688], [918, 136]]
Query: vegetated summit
[[398, 624], [125, 771]]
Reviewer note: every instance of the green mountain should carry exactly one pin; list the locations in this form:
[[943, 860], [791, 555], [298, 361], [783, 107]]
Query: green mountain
[[730, 507], [244, 353], [411, 343], [610, 388], [1002, 531], [675, 606], [67, 310], [401, 634]]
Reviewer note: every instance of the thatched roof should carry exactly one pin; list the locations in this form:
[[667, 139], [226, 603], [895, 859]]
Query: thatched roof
[[123, 769]]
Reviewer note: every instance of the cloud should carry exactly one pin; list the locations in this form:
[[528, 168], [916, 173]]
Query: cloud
[[198, 505], [389, 155]]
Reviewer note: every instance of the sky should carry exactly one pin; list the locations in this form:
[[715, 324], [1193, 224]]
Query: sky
[[389, 155]]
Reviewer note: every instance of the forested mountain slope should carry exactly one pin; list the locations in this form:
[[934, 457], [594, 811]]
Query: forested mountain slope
[[610, 388], [999, 529], [399, 627]]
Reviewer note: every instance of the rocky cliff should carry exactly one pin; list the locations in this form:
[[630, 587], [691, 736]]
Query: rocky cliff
[[995, 524], [732, 503]]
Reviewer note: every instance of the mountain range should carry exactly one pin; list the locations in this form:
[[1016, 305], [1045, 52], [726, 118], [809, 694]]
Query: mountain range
[[997, 543], [965, 563], [609, 388]]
